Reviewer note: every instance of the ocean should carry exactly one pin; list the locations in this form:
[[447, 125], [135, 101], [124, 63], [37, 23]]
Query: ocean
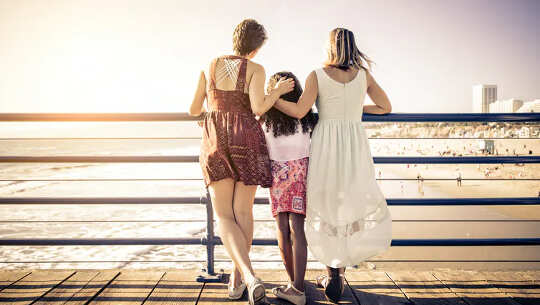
[[171, 220]]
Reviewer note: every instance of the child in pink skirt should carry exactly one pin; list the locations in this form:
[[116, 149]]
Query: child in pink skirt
[[288, 141]]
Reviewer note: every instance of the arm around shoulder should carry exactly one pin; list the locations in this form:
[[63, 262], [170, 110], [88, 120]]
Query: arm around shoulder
[[260, 103], [306, 101]]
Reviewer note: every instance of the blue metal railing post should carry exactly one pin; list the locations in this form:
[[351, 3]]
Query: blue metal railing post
[[210, 274], [209, 235]]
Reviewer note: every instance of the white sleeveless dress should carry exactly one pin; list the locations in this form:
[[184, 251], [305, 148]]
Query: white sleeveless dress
[[347, 217]]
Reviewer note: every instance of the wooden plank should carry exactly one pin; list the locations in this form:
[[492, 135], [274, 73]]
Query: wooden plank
[[472, 286], [33, 286], [68, 288], [130, 287], [374, 287], [8, 277], [422, 287], [82, 296], [517, 284], [176, 287]]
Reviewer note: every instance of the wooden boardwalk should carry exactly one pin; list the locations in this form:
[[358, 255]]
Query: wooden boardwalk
[[156, 286]]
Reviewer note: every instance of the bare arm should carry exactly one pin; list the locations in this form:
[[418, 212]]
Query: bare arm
[[260, 103], [306, 101], [196, 107], [378, 96]]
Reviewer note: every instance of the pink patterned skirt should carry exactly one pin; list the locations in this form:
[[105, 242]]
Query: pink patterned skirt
[[288, 190]]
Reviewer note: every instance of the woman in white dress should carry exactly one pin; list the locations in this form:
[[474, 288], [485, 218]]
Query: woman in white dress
[[347, 218]]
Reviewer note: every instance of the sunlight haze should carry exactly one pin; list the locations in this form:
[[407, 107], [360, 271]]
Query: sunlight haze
[[145, 56]]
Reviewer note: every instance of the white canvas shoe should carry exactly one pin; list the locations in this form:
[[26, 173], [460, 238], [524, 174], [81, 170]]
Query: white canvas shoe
[[236, 293], [297, 299]]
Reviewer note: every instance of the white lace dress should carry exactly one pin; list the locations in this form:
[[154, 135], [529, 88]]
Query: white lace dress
[[347, 218]]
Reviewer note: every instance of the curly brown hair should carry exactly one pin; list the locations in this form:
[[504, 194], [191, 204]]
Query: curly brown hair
[[248, 36], [281, 123]]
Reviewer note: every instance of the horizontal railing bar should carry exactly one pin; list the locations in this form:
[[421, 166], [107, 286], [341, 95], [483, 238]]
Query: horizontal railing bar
[[200, 179], [182, 116], [435, 242], [107, 179], [186, 159], [97, 117], [256, 242], [107, 138], [255, 220], [262, 200], [99, 159], [448, 201], [103, 221], [274, 261], [394, 260], [99, 241], [103, 200], [464, 201], [103, 261], [199, 138]]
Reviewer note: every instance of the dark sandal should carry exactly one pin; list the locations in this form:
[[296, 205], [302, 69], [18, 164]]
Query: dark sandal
[[334, 286]]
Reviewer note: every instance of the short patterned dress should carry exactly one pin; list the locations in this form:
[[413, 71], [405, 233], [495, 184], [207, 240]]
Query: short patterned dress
[[233, 142], [289, 155]]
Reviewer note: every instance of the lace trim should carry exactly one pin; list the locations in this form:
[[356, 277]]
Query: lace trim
[[349, 229]]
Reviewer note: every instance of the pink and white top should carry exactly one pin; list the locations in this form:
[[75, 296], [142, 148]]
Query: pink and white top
[[287, 147]]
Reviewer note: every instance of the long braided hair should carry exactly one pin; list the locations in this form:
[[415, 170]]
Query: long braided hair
[[343, 52], [281, 123]]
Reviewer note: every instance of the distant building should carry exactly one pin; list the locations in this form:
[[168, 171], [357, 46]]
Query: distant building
[[511, 105], [530, 106], [483, 95]]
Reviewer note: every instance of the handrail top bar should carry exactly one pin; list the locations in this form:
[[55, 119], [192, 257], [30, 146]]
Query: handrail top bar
[[260, 200], [183, 116], [194, 159]]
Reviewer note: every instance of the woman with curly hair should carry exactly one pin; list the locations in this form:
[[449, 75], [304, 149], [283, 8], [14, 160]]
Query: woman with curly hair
[[288, 142], [347, 218], [234, 157]]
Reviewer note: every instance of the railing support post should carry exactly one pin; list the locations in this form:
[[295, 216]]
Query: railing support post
[[209, 274]]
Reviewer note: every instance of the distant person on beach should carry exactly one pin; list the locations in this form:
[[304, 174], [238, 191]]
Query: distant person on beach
[[288, 141], [347, 218], [234, 156]]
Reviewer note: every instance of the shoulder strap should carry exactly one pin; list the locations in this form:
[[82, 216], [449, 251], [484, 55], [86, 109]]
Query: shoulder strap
[[241, 80]]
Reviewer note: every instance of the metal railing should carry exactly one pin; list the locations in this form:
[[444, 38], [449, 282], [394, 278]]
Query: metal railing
[[210, 240]]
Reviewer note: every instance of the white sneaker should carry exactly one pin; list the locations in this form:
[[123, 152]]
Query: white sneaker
[[297, 299], [256, 292], [236, 293]]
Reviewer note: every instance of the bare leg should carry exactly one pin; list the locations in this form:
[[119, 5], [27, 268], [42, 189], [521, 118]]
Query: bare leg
[[284, 243], [299, 249], [243, 214], [232, 236]]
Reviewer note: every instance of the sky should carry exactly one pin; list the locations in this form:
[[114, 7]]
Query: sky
[[145, 56]]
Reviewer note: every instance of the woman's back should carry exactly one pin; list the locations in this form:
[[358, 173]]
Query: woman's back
[[340, 99], [228, 84]]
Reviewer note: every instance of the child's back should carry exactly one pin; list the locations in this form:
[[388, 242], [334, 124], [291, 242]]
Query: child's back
[[287, 147]]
